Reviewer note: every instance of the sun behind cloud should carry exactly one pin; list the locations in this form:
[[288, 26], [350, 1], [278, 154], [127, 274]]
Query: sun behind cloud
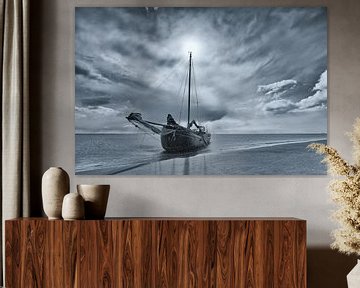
[[191, 44]]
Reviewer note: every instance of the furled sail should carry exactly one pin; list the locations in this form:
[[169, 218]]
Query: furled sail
[[137, 121]]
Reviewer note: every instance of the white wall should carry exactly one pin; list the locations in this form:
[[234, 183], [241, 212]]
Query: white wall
[[304, 197]]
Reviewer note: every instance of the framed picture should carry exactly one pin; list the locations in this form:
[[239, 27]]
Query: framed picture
[[200, 91]]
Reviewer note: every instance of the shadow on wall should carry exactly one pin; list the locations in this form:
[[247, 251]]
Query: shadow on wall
[[328, 268]]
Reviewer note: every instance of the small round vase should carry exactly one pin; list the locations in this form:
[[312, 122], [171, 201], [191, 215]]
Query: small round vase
[[55, 185], [96, 198], [73, 207]]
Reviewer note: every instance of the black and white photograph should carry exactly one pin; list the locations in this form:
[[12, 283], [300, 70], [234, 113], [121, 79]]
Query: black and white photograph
[[200, 91]]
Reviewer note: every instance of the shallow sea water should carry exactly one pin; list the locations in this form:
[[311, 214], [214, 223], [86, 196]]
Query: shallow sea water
[[228, 154]]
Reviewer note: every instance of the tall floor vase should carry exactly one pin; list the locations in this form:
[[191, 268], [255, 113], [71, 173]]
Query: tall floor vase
[[55, 185]]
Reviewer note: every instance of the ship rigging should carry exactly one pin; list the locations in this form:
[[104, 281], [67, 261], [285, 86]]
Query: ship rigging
[[174, 137]]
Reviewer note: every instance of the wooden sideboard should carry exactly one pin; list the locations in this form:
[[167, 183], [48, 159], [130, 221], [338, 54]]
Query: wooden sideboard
[[156, 252]]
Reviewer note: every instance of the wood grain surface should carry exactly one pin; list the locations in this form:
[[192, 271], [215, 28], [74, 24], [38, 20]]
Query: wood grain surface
[[156, 253]]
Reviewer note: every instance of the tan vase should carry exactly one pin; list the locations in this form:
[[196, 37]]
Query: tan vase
[[55, 185], [73, 207], [96, 198]]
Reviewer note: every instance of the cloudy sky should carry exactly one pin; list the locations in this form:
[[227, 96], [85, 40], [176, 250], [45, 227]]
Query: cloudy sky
[[257, 70]]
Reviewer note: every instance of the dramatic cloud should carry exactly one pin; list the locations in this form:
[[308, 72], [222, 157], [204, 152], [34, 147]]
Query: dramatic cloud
[[274, 100], [276, 87], [257, 70], [317, 101]]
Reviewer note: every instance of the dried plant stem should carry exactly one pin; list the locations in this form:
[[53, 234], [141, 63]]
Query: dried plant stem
[[345, 192]]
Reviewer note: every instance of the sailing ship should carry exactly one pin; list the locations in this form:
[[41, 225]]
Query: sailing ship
[[174, 137]]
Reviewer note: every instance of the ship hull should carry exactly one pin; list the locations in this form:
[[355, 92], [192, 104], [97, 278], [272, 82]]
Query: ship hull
[[181, 139]]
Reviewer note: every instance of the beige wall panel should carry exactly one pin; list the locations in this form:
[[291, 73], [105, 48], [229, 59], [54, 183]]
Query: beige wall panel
[[52, 91]]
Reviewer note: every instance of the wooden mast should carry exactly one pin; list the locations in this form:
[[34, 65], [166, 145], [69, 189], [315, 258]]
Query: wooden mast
[[188, 122]]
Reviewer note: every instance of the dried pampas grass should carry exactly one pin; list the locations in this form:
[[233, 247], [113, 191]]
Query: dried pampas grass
[[345, 191]]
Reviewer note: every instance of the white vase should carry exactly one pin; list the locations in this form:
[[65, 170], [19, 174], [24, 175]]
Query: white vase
[[353, 278], [73, 207], [55, 185], [95, 197]]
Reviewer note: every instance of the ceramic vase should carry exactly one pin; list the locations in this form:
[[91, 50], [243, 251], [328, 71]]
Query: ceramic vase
[[55, 185], [73, 207], [96, 198], [353, 278]]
